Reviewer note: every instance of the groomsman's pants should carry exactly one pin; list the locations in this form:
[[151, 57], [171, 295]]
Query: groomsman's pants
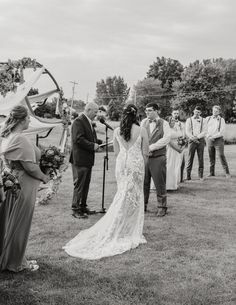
[[81, 180], [192, 148], [182, 169], [156, 169], [213, 146]]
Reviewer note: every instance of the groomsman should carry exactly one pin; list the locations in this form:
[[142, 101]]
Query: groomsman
[[159, 136], [215, 140], [196, 132]]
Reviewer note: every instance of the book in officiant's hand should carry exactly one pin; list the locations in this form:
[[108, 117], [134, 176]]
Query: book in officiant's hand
[[104, 144]]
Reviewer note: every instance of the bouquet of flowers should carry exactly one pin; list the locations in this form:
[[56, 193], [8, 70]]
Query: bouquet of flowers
[[52, 161], [10, 182], [182, 141]]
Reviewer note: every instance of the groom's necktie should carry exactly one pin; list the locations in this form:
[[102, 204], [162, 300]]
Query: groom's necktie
[[152, 124]]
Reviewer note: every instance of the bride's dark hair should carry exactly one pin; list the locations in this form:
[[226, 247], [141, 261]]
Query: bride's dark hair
[[128, 118]]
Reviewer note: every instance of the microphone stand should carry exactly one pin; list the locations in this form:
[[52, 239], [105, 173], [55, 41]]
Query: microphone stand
[[105, 167]]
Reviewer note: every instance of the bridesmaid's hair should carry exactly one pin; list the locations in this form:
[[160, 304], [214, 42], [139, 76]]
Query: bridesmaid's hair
[[128, 118], [16, 116], [170, 121]]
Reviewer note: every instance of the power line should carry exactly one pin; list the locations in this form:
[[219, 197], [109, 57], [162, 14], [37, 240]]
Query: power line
[[110, 96]]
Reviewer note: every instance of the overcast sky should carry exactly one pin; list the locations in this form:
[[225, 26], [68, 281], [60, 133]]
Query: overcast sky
[[87, 40]]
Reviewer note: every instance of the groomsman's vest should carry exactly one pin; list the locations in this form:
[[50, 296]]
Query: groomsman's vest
[[156, 135]]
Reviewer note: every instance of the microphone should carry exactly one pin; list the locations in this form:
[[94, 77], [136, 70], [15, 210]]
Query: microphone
[[101, 120]]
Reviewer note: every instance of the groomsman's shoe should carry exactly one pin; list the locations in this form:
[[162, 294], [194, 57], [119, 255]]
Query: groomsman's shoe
[[210, 175], [188, 178]]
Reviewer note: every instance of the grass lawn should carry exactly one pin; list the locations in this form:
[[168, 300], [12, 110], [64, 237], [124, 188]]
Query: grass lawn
[[189, 258]]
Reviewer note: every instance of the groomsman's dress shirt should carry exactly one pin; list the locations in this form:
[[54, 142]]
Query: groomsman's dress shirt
[[196, 127], [215, 127]]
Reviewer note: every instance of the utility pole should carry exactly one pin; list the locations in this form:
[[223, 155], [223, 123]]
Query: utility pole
[[72, 99], [135, 98]]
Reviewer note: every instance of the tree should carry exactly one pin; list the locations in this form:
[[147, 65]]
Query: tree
[[78, 105], [33, 91], [47, 109], [150, 90], [112, 92], [204, 83], [167, 70]]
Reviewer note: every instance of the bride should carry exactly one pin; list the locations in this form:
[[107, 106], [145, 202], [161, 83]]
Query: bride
[[121, 229]]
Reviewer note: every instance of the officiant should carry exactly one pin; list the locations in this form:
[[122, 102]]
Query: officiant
[[84, 143]]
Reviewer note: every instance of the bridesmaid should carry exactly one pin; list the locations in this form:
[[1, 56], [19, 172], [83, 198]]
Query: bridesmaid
[[16, 212], [175, 152]]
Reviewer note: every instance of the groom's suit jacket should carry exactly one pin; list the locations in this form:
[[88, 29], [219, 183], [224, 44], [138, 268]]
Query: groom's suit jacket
[[83, 138], [160, 132]]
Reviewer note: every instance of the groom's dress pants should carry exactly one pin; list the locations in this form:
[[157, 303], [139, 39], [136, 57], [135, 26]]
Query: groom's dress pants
[[156, 169], [81, 180]]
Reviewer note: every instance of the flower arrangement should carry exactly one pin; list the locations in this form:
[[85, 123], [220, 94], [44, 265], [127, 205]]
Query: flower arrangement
[[11, 73], [10, 182], [182, 141], [52, 161], [47, 192]]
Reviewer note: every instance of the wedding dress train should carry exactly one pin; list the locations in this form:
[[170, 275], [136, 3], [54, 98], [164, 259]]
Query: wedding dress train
[[121, 228]]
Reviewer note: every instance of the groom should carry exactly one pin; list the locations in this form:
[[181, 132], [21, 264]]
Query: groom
[[159, 136], [84, 144]]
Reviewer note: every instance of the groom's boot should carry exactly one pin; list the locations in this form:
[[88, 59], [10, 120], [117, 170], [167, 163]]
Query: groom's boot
[[161, 212], [162, 208]]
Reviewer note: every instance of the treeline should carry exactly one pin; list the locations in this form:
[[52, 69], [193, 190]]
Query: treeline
[[169, 83]]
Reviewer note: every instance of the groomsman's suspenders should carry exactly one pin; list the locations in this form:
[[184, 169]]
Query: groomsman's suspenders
[[219, 125], [192, 125]]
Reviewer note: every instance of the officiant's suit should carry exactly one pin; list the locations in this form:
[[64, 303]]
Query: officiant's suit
[[155, 168], [83, 139]]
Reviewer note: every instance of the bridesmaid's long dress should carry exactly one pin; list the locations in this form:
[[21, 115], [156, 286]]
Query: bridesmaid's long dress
[[16, 213]]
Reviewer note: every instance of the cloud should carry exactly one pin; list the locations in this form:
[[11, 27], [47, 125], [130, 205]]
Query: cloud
[[88, 40]]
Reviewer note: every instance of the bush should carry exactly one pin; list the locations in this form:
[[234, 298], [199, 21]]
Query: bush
[[47, 115]]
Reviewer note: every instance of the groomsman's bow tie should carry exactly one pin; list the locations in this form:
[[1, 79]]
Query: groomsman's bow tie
[[152, 121], [216, 117]]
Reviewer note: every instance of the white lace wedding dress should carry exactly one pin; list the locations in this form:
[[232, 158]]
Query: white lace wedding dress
[[121, 228]]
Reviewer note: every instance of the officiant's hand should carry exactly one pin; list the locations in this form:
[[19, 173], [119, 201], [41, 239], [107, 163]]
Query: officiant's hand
[[96, 146]]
